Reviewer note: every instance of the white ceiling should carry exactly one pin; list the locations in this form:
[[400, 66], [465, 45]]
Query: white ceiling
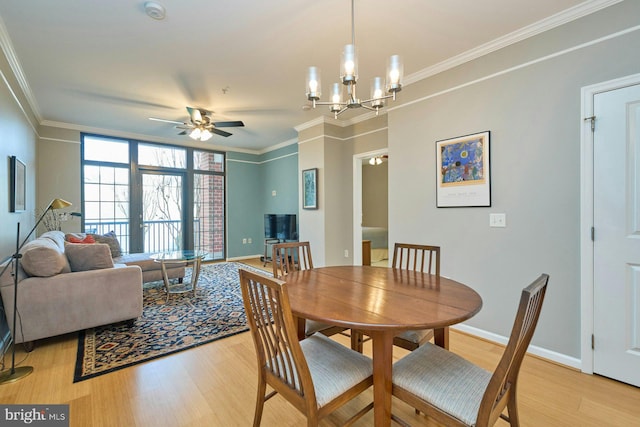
[[107, 67]]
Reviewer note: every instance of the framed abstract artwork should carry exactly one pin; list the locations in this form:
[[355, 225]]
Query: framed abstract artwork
[[463, 171], [17, 186], [310, 188]]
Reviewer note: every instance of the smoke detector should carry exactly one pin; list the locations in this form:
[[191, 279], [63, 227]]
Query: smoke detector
[[154, 10]]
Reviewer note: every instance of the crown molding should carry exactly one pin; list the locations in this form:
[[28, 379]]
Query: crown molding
[[546, 24], [14, 63]]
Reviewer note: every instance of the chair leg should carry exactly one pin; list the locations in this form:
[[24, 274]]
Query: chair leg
[[356, 341], [512, 409], [260, 398]]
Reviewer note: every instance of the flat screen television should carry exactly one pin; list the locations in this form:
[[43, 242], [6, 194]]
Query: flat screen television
[[280, 226]]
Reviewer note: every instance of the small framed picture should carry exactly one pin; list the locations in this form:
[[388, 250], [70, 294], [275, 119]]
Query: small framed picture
[[463, 171], [18, 187], [310, 188]]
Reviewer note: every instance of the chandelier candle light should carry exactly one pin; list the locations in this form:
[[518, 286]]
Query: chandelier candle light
[[349, 77]]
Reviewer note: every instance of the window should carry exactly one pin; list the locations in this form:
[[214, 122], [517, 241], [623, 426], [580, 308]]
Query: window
[[155, 197]]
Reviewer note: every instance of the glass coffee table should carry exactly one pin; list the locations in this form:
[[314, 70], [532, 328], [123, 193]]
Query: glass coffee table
[[180, 257]]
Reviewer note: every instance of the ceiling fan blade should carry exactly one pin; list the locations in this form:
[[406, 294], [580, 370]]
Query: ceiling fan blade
[[184, 132], [220, 132], [184, 126], [231, 124], [165, 121]]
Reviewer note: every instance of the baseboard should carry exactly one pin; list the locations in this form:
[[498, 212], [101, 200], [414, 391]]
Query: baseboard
[[240, 258], [543, 353]]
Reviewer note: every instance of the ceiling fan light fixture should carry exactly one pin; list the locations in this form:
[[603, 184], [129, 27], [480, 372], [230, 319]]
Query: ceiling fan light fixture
[[195, 134], [374, 161], [205, 135]]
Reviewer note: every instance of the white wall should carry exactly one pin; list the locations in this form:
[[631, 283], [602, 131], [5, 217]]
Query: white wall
[[528, 96]]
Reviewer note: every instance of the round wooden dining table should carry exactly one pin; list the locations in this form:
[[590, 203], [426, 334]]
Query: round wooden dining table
[[381, 302]]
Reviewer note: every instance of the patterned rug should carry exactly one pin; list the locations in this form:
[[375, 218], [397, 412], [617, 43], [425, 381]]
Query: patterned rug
[[167, 327]]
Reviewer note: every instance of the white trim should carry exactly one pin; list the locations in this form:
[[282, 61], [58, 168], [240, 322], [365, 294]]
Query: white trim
[[262, 162], [15, 98], [547, 24], [518, 67], [14, 64], [586, 212], [347, 138], [240, 258], [544, 353]]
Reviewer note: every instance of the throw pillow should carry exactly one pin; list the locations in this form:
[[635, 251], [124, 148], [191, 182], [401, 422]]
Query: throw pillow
[[87, 239], [43, 258], [83, 257], [111, 240]]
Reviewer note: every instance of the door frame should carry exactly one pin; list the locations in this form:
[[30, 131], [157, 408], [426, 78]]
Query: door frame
[[357, 201], [586, 212]]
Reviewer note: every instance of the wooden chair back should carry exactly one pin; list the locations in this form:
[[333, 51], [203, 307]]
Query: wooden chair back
[[501, 390], [422, 258], [280, 357], [290, 256]]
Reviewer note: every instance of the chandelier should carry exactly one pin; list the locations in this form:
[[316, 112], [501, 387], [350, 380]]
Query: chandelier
[[380, 89]]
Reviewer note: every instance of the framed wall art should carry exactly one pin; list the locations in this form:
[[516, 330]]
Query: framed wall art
[[310, 188], [463, 171], [18, 188]]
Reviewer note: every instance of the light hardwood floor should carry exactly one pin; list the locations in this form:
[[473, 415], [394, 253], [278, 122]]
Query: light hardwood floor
[[214, 385]]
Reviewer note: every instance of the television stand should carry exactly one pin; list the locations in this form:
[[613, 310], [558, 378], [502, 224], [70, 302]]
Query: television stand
[[267, 253]]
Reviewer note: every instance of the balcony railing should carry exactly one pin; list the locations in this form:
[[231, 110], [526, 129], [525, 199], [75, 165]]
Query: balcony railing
[[159, 236]]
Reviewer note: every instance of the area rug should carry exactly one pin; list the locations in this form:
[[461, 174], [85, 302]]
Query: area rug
[[167, 327]]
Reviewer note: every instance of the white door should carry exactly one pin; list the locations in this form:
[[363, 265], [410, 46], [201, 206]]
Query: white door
[[616, 215]]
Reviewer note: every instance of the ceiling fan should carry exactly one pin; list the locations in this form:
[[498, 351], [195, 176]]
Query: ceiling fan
[[200, 127]]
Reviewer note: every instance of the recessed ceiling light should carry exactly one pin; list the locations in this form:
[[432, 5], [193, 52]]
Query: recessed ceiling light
[[154, 10]]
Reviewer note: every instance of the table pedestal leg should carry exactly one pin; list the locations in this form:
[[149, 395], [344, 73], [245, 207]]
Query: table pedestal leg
[[441, 337], [382, 376]]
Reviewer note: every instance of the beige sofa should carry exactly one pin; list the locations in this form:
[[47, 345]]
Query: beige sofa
[[151, 270], [66, 287]]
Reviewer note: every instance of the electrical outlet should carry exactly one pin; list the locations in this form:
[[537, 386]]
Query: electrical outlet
[[249, 240], [346, 253], [244, 241]]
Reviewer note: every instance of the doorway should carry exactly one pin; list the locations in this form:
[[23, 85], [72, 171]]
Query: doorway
[[610, 225], [358, 214], [162, 212]]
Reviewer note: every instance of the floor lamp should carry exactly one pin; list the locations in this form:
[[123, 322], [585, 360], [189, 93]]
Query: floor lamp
[[15, 374]]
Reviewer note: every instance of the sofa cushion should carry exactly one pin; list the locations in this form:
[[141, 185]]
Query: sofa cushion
[[83, 257], [42, 257], [111, 240], [143, 260], [108, 238]]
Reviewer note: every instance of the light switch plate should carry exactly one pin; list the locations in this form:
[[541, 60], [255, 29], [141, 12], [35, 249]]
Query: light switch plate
[[497, 220]]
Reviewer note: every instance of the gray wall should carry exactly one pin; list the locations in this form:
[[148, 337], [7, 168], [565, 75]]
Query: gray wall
[[375, 193], [528, 96], [17, 138]]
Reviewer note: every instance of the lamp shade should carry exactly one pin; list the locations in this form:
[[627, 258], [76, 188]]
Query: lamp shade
[[59, 204]]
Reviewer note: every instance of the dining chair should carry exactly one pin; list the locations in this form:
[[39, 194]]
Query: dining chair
[[316, 375], [422, 258], [455, 392], [425, 259], [296, 256]]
